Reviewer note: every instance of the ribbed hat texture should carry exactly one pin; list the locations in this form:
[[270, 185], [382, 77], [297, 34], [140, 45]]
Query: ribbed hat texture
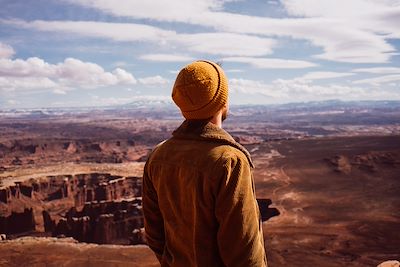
[[200, 90]]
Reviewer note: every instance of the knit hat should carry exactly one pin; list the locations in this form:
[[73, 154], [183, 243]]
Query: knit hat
[[200, 90]]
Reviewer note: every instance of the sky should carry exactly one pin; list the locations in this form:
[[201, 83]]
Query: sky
[[74, 53]]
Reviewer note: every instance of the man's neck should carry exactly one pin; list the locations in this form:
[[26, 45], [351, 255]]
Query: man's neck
[[217, 119]]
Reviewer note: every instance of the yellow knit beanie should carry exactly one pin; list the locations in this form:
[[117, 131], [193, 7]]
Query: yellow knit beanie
[[200, 90]]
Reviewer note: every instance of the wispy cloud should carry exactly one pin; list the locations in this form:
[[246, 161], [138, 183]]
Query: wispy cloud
[[232, 44], [153, 80], [124, 32], [352, 34], [379, 70], [340, 41], [336, 49], [319, 75], [59, 91], [164, 10], [379, 80], [234, 70], [271, 63], [281, 90], [166, 57], [254, 87], [6, 51], [227, 44]]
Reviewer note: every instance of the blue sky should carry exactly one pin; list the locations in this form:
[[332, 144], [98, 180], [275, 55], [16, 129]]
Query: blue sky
[[63, 53]]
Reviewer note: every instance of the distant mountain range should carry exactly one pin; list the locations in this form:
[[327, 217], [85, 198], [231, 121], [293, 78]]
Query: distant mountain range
[[168, 106]]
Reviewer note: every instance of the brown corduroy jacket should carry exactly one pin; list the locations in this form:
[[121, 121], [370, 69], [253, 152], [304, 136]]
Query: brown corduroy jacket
[[199, 202]]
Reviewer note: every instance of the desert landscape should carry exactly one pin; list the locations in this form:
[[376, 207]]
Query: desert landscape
[[328, 172]]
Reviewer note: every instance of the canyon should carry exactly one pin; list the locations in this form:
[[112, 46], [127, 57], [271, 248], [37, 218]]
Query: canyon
[[326, 181], [90, 207]]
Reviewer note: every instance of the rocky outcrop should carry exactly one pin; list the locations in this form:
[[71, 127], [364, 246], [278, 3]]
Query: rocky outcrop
[[94, 193], [104, 222], [105, 231], [5, 195], [98, 187], [265, 211], [341, 164], [29, 151], [49, 224], [81, 187], [369, 161], [17, 222]]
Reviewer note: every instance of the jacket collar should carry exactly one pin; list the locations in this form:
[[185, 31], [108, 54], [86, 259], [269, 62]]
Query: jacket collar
[[204, 130]]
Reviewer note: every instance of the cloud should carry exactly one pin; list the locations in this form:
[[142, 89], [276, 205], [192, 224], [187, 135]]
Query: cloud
[[339, 39], [227, 44], [359, 21], [162, 10], [126, 32], [379, 70], [326, 8], [271, 63], [153, 80], [59, 91], [253, 87], [210, 43], [12, 102], [355, 34], [302, 89], [166, 57], [6, 51], [294, 90], [36, 74], [273, 2], [318, 75], [234, 70], [21, 84], [379, 80], [123, 76]]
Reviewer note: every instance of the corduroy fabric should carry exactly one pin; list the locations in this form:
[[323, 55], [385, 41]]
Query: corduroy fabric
[[200, 90], [199, 201]]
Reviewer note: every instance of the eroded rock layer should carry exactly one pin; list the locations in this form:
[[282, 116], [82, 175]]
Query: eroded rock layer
[[91, 207]]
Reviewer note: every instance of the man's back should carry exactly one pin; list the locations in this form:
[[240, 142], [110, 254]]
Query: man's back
[[199, 203]]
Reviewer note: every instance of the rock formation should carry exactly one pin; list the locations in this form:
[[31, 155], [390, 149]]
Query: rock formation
[[265, 211], [17, 222], [95, 195], [104, 222], [49, 224], [368, 162]]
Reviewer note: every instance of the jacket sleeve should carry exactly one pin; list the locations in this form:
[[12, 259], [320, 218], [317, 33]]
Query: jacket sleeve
[[153, 219], [240, 238]]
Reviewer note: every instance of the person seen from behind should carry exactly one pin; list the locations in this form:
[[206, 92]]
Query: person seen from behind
[[199, 200]]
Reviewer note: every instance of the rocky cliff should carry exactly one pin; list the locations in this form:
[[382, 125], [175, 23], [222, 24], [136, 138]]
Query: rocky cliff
[[92, 207], [104, 222]]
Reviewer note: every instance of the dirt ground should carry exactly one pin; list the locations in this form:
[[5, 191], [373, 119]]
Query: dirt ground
[[338, 198]]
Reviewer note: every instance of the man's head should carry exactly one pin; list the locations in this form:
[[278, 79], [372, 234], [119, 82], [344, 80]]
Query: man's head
[[201, 90]]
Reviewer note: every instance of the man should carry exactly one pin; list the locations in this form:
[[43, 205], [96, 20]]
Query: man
[[198, 193]]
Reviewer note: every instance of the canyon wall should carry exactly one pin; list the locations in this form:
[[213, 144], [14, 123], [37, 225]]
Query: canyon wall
[[91, 207]]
